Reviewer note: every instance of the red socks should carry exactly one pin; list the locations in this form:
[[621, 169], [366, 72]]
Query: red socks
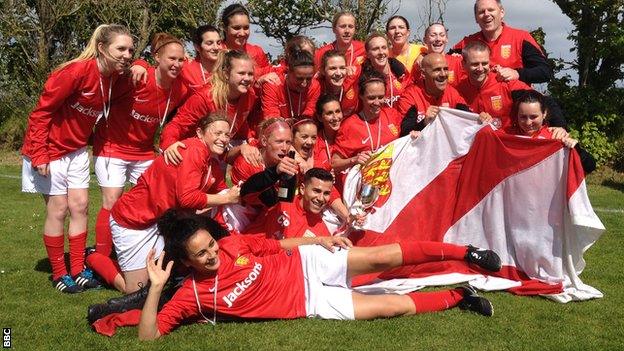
[[103, 266], [56, 254], [77, 244], [103, 236], [436, 300], [415, 252]]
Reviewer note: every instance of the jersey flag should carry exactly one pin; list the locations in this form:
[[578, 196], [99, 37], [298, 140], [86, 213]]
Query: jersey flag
[[461, 182]]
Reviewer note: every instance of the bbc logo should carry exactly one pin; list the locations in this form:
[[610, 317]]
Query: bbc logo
[[6, 338]]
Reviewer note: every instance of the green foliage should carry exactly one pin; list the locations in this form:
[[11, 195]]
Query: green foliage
[[593, 138]]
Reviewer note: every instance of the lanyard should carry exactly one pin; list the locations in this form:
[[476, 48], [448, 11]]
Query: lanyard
[[370, 135], [391, 101], [106, 105], [214, 291], [234, 118], [290, 102], [201, 68], [326, 147], [164, 115]]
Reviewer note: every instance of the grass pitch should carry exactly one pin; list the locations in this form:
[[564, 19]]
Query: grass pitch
[[42, 318]]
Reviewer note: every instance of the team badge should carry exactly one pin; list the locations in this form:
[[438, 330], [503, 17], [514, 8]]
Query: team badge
[[241, 261], [505, 51], [451, 76], [497, 102], [350, 94], [398, 84], [377, 173], [393, 129], [359, 60]]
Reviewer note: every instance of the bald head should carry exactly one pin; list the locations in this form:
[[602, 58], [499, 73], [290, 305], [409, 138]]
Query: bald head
[[432, 59], [435, 71]]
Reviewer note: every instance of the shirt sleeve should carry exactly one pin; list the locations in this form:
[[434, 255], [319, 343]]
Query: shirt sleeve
[[270, 100], [184, 122], [59, 86], [189, 179], [260, 246], [181, 307], [535, 66]]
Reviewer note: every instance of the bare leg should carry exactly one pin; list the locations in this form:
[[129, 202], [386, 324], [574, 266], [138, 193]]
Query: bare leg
[[110, 196], [56, 210], [78, 203], [382, 306], [363, 260], [135, 279]]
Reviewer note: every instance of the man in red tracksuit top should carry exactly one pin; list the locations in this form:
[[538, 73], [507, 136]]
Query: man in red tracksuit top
[[421, 103], [514, 53], [484, 93]]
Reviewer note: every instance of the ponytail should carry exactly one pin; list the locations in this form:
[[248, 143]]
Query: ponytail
[[104, 33]]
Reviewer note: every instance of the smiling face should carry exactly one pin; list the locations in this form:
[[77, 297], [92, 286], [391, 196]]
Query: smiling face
[[344, 30], [315, 195], [489, 15], [436, 38], [276, 145], [373, 98], [216, 136], [240, 77], [298, 78], [397, 32], [335, 71], [304, 139], [435, 70], [377, 52], [331, 116], [210, 46], [202, 252], [530, 117], [170, 60], [117, 55], [477, 65], [237, 31]]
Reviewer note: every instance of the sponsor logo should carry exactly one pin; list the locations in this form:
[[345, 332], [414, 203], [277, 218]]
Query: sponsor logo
[[505, 51], [87, 111], [393, 129], [364, 141], [144, 118], [497, 102], [243, 285], [241, 261], [284, 219], [392, 100]]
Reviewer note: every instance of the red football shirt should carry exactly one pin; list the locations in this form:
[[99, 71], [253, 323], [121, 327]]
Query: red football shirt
[[256, 279], [354, 55], [165, 186], [129, 131], [280, 101], [418, 97], [354, 136]]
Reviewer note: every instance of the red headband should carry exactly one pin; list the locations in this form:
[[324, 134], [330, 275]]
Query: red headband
[[278, 124]]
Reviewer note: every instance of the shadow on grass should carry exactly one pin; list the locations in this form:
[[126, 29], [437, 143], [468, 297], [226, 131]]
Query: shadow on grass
[[615, 185], [43, 265]]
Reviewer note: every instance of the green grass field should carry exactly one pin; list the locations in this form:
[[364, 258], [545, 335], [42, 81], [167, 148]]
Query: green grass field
[[42, 318]]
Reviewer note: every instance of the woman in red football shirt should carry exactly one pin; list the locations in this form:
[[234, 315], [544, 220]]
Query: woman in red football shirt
[[124, 143], [332, 79], [378, 59], [230, 91], [196, 184], [362, 134], [257, 278], [207, 43], [343, 26], [56, 161]]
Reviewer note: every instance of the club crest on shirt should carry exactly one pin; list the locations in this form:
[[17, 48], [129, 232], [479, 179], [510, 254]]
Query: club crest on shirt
[[505, 51], [241, 261], [451, 76], [398, 84], [359, 60], [497, 102], [350, 94], [393, 129]]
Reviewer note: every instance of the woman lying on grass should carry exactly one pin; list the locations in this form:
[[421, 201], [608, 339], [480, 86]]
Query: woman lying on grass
[[243, 276]]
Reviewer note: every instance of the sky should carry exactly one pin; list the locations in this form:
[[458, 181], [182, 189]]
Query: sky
[[459, 19]]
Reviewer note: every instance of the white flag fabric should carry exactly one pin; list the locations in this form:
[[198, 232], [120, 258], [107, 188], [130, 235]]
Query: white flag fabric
[[464, 183]]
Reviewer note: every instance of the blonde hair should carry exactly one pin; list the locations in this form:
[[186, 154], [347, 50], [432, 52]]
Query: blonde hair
[[104, 33], [220, 73]]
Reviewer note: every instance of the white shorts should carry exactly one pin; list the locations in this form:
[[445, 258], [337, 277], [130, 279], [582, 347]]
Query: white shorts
[[68, 172], [132, 246], [114, 172], [327, 290]]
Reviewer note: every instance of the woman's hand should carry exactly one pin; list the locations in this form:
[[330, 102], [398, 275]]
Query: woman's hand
[[157, 275], [432, 112], [43, 169], [172, 155], [362, 158], [233, 195], [288, 166], [485, 118], [251, 154], [558, 133], [138, 74], [569, 142], [270, 77], [329, 242]]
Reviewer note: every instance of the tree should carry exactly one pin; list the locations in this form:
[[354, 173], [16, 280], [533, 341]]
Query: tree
[[599, 40], [432, 12], [283, 19]]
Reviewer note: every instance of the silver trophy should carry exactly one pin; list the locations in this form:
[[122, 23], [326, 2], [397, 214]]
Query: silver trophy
[[366, 197]]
